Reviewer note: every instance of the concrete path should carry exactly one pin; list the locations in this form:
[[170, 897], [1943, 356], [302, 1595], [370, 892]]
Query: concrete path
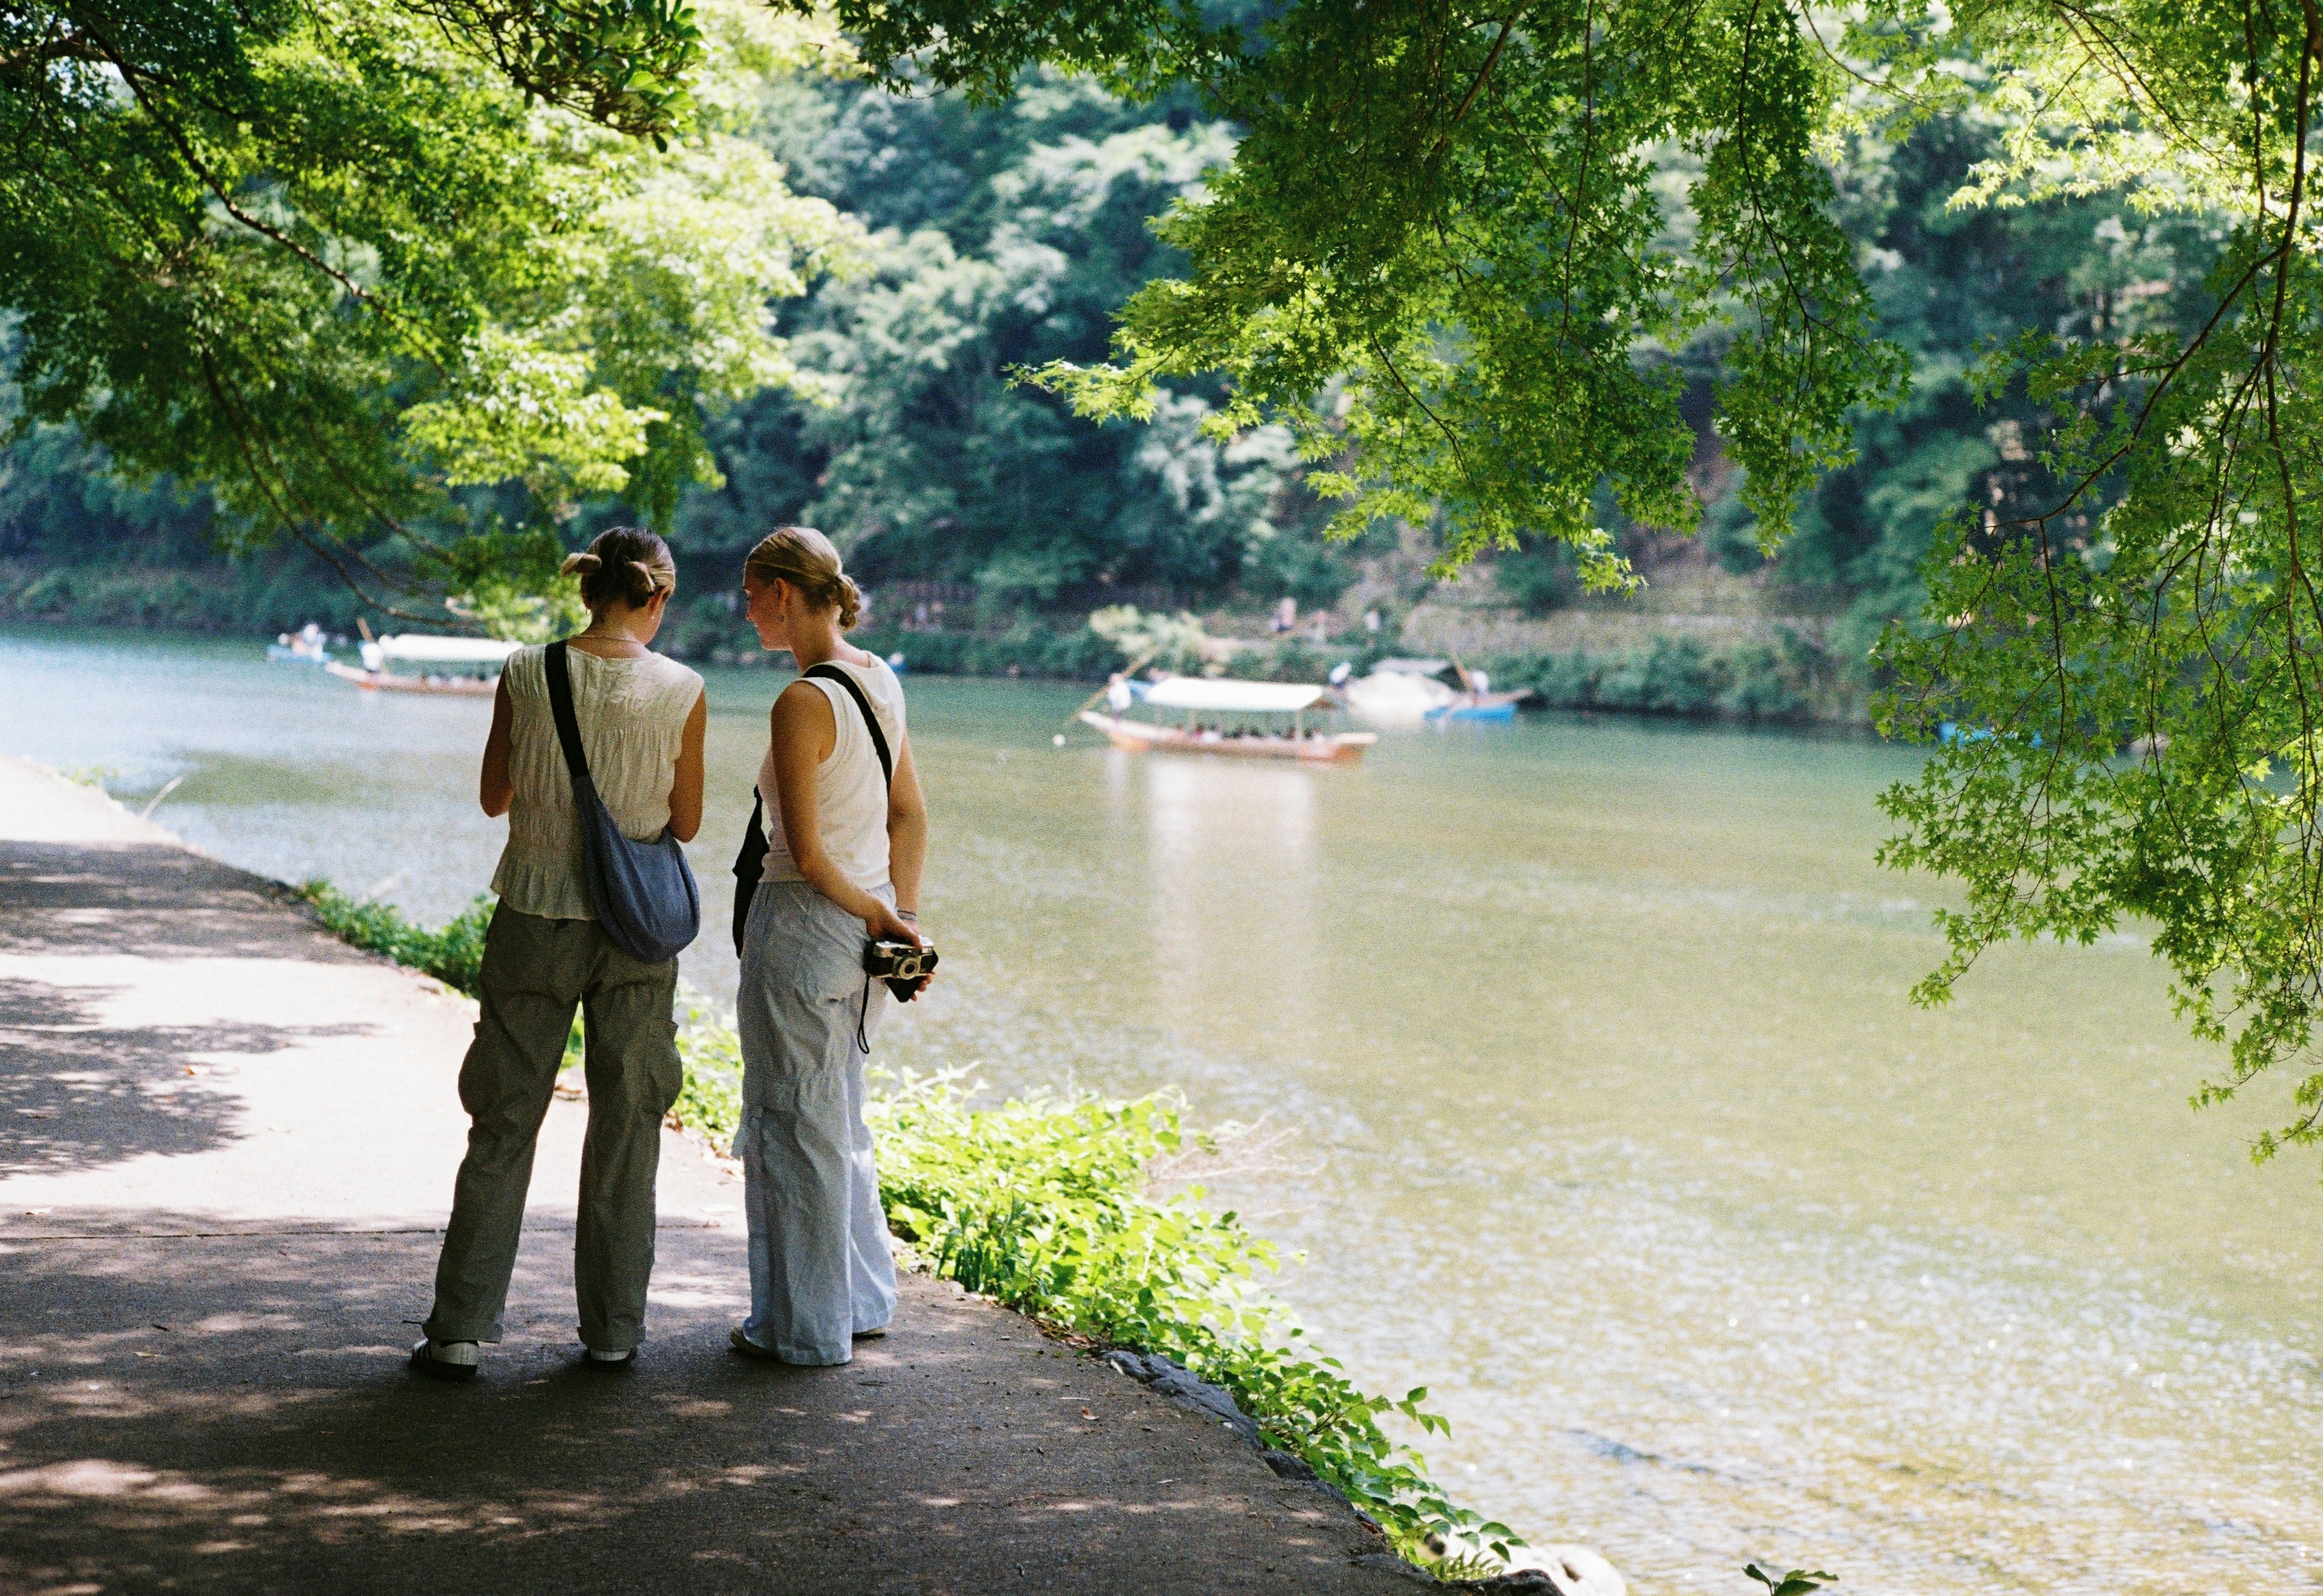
[[226, 1143]]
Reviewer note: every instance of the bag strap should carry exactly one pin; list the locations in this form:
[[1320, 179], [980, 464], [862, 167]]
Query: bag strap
[[749, 868], [568, 726], [828, 672]]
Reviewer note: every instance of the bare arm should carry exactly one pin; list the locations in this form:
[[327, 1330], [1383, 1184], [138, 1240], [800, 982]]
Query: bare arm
[[685, 790], [907, 830], [496, 789], [804, 731]]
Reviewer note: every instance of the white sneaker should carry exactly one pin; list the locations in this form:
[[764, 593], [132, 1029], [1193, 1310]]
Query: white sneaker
[[445, 1360], [604, 1360]]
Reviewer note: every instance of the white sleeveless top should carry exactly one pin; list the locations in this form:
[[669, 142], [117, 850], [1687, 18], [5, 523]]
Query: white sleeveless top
[[632, 715], [850, 804]]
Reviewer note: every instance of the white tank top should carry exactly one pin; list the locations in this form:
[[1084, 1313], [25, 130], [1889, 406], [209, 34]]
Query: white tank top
[[851, 802], [632, 714]]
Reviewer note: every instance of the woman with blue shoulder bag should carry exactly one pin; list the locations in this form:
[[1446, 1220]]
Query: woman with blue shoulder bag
[[595, 755], [826, 933]]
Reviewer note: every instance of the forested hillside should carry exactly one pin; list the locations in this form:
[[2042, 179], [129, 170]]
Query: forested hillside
[[1001, 239]]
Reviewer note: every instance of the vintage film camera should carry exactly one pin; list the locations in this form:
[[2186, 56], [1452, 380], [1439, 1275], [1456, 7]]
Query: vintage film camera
[[900, 965]]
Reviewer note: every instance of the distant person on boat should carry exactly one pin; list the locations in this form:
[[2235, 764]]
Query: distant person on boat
[[641, 721], [845, 844]]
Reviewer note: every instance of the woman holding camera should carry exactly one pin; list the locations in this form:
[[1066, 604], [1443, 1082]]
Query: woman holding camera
[[845, 844]]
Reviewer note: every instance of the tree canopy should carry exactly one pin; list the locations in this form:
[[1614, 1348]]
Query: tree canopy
[[337, 258], [1497, 270]]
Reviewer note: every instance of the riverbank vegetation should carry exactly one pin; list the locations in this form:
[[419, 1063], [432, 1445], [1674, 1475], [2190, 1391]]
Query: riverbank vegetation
[[989, 519], [453, 952], [1046, 1204]]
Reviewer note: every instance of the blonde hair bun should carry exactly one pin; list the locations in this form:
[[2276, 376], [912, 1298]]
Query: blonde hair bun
[[809, 561]]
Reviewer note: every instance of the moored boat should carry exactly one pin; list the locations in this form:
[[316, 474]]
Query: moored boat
[[1408, 690], [307, 646], [381, 655], [1241, 719]]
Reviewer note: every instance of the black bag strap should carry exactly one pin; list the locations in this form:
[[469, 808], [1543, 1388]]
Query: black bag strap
[[749, 868], [568, 726], [828, 672]]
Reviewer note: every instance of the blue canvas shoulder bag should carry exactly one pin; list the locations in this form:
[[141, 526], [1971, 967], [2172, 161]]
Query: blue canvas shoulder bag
[[644, 892]]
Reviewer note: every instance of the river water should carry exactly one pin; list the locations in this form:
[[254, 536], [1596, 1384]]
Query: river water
[[1612, 1125]]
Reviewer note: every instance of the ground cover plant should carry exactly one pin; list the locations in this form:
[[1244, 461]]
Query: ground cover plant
[[453, 952]]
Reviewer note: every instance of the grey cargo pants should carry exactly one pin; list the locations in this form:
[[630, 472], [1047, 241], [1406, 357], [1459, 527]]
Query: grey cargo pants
[[535, 971]]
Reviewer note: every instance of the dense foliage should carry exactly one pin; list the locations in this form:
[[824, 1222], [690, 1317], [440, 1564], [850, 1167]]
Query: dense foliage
[[335, 259], [2130, 642], [1001, 238], [1445, 241]]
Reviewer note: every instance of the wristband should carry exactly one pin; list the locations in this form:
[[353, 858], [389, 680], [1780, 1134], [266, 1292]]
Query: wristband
[[908, 916]]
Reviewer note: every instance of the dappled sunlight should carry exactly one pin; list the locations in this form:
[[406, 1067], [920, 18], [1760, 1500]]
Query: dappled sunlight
[[235, 1412]]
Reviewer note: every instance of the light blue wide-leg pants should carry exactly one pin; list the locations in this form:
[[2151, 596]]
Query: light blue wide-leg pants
[[821, 1272]]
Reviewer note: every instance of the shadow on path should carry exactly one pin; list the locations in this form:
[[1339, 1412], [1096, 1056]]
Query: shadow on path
[[75, 1094], [270, 1439], [152, 899]]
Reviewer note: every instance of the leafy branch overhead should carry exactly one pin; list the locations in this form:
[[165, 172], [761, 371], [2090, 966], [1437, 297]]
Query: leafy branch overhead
[[337, 258], [1447, 255], [2127, 644]]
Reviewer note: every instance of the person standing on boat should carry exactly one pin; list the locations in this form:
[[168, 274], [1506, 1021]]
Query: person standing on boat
[[641, 719], [845, 846]]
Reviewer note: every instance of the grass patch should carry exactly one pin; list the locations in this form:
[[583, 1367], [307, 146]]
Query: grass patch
[[454, 953]]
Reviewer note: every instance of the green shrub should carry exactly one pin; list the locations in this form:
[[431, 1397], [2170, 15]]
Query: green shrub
[[1027, 649], [1043, 1205], [1788, 678], [453, 953]]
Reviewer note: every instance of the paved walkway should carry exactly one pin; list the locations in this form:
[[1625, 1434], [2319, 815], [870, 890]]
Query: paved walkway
[[226, 1141]]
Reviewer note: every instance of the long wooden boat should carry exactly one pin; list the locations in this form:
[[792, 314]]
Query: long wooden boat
[[1240, 719], [389, 681], [381, 654]]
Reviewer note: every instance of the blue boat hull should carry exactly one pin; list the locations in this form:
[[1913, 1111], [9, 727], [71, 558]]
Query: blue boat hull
[[1475, 712]]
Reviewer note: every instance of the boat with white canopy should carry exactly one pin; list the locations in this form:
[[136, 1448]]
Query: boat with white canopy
[[462, 667], [1247, 720]]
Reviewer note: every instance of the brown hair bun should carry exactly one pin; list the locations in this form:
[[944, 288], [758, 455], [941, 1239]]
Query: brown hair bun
[[625, 563]]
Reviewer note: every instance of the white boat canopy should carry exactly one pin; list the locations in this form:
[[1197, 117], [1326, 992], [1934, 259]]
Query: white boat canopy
[[446, 650], [1208, 692]]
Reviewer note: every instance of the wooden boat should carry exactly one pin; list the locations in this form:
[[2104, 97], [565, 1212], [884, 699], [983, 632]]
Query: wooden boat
[[391, 681], [1241, 719], [378, 654]]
